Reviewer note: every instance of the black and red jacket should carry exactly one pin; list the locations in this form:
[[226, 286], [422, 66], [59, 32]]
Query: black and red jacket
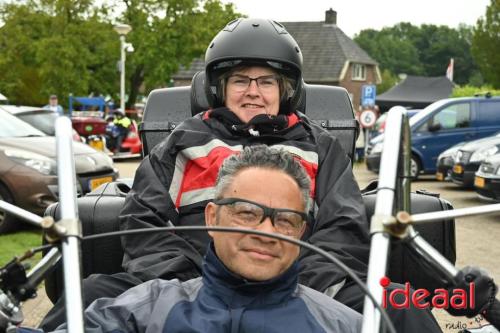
[[176, 180]]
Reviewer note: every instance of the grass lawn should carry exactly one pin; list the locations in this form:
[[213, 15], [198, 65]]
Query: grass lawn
[[16, 244]]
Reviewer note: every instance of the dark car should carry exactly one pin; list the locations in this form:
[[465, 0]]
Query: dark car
[[487, 178], [468, 158], [28, 168], [445, 162], [440, 126]]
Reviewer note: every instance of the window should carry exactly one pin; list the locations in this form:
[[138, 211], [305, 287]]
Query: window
[[358, 72], [451, 117], [490, 111]]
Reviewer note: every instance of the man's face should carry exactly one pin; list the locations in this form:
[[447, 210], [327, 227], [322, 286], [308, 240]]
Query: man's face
[[251, 256], [247, 102], [53, 101]]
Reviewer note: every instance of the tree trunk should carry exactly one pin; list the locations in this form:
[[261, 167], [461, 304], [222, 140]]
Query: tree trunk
[[136, 80]]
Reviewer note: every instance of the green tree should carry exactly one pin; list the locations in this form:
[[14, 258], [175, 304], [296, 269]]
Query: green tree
[[55, 46], [389, 80], [167, 34], [424, 50], [396, 54], [486, 44], [67, 46]]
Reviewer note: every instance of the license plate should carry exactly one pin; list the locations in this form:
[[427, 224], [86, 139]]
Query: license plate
[[97, 144], [439, 176], [457, 168], [479, 181], [94, 183]]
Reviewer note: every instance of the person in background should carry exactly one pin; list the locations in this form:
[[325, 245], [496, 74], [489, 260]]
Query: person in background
[[122, 124], [54, 105]]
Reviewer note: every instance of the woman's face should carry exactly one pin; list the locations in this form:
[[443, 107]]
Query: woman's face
[[260, 96]]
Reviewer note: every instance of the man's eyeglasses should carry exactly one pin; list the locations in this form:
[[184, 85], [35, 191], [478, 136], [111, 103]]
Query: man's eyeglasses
[[241, 82], [250, 214]]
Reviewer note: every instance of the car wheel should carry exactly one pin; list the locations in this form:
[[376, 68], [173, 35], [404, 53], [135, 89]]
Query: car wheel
[[7, 221], [414, 167]]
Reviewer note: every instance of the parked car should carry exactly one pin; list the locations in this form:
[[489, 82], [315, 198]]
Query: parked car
[[379, 126], [91, 126], [28, 168], [445, 162], [40, 118], [487, 179], [469, 157], [441, 125]]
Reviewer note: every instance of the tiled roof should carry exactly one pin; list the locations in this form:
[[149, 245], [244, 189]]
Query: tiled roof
[[325, 49]]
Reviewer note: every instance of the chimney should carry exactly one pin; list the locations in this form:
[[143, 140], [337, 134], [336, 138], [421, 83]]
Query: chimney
[[330, 16]]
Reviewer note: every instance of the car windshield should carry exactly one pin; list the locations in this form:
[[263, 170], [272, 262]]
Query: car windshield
[[41, 119], [11, 126]]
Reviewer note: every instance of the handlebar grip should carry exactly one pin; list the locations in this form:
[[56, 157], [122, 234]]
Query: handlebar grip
[[493, 314]]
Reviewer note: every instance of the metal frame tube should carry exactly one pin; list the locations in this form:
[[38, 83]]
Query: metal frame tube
[[48, 262], [69, 211], [122, 73], [389, 188], [449, 214], [431, 255], [21, 213]]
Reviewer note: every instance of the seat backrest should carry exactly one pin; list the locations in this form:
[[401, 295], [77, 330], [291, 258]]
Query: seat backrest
[[165, 109], [328, 106], [331, 108]]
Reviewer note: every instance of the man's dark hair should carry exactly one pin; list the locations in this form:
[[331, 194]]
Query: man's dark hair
[[262, 156]]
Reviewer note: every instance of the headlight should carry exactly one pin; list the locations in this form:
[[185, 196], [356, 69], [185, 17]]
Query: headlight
[[377, 148], [481, 154], [35, 161], [457, 156]]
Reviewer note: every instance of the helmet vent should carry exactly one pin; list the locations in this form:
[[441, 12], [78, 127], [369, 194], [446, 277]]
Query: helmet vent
[[255, 25]]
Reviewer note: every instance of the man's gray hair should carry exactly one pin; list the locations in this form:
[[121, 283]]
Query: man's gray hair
[[262, 156]]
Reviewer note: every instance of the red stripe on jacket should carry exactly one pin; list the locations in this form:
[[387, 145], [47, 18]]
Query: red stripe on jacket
[[201, 173]]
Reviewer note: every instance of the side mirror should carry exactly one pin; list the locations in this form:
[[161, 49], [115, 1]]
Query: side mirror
[[435, 127]]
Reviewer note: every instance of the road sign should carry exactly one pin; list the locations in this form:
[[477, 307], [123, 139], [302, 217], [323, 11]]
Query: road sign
[[368, 94], [368, 118]]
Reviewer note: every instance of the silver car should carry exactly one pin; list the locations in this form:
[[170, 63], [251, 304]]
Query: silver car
[[28, 168]]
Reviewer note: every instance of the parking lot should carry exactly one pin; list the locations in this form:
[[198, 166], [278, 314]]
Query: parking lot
[[476, 238]]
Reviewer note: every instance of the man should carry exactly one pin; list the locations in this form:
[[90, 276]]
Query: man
[[121, 124], [249, 281], [54, 105]]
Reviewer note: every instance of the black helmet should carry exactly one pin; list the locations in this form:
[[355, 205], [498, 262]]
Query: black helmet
[[254, 42]]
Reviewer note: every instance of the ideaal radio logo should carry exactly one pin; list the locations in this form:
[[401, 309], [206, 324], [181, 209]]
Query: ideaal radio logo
[[400, 298]]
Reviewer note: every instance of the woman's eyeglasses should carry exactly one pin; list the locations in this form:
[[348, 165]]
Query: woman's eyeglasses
[[240, 83], [250, 214]]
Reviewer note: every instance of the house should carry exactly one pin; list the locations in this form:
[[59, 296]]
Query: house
[[330, 57]]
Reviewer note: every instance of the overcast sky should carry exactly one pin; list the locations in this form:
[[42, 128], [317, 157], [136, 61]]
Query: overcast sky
[[356, 15]]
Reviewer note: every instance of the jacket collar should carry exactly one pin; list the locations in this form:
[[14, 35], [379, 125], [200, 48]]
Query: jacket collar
[[259, 126], [236, 291]]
